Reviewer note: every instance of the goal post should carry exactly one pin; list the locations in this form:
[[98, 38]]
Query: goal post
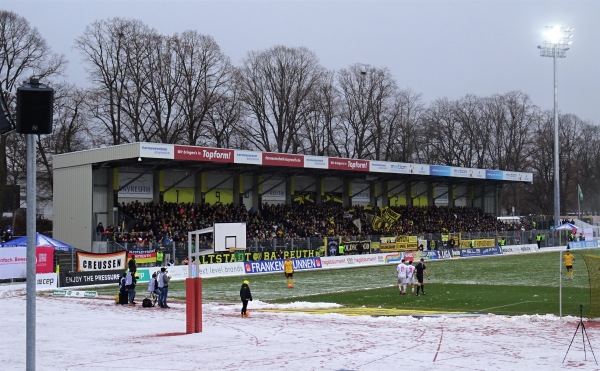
[[226, 237], [193, 283]]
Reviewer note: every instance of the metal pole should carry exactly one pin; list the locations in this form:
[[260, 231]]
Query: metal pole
[[578, 203], [31, 259], [560, 283], [556, 159]]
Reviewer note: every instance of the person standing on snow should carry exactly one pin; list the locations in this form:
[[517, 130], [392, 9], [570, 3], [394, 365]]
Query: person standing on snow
[[245, 296], [163, 285], [130, 282]]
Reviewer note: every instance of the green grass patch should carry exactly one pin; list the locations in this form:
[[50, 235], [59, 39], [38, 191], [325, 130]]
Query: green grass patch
[[508, 284]]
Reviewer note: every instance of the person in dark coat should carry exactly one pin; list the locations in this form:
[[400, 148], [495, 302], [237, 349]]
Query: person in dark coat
[[132, 264], [359, 248], [123, 294], [246, 296]]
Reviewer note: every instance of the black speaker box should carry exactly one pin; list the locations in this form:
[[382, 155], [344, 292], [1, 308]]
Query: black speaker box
[[34, 110]]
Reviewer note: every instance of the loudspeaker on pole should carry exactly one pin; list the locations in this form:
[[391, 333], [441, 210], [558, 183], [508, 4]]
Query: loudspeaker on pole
[[34, 108]]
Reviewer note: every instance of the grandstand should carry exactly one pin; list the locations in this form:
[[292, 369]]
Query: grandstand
[[115, 185]]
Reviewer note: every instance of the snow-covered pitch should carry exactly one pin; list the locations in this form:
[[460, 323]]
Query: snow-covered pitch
[[97, 334]]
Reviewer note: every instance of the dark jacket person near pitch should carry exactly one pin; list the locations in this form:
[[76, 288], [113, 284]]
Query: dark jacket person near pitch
[[246, 296]]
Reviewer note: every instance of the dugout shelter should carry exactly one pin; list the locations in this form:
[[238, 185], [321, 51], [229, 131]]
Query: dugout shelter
[[89, 185]]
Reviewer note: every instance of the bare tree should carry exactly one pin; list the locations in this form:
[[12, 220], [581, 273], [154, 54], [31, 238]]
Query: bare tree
[[509, 120], [23, 54], [406, 138], [225, 119], [357, 88], [162, 92], [274, 87], [443, 139], [470, 146], [571, 136], [386, 109], [319, 133], [588, 167], [139, 47], [542, 164], [205, 73], [108, 46]]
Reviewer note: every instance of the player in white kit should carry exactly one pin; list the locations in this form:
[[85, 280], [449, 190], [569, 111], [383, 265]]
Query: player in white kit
[[401, 271], [410, 276]]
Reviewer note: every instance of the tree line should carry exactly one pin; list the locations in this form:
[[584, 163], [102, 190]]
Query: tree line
[[182, 89]]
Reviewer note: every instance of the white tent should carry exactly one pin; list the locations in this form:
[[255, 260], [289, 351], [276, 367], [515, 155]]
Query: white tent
[[566, 227]]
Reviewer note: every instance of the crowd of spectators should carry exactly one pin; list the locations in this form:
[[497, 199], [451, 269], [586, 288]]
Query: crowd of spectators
[[166, 223]]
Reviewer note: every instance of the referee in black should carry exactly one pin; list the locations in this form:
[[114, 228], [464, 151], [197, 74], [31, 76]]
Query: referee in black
[[421, 269]]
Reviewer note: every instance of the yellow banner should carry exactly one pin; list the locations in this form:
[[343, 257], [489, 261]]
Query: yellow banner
[[377, 223], [389, 215], [485, 242]]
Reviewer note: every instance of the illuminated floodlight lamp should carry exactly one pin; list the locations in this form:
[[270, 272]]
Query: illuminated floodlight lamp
[[557, 41]]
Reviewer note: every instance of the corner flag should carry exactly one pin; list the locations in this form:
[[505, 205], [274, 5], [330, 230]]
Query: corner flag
[[579, 193]]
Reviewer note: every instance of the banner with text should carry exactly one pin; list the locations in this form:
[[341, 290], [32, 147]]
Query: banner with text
[[267, 266], [88, 262], [69, 279], [13, 261], [467, 253], [142, 256]]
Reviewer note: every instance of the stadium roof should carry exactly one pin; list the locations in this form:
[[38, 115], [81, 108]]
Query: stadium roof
[[157, 156]]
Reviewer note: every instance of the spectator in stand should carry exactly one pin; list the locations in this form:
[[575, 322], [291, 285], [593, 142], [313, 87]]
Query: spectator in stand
[[7, 235], [170, 222], [132, 264], [159, 257], [359, 248], [100, 232], [451, 243]]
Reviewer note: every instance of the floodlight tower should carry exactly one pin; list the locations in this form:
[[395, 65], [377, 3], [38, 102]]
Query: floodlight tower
[[558, 40]]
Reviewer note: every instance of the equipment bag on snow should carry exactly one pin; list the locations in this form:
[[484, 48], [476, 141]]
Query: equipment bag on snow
[[146, 303], [123, 297]]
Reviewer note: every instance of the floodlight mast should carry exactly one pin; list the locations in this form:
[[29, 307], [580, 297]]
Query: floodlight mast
[[556, 46], [558, 40]]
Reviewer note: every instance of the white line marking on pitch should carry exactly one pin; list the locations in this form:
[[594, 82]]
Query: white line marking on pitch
[[507, 305]]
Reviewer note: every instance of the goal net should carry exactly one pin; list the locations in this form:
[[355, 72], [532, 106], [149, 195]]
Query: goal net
[[592, 263]]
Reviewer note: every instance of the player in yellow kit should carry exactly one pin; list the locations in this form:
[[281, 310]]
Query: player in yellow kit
[[288, 268], [568, 259]]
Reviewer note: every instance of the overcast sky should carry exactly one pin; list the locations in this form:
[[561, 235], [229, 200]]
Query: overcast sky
[[439, 48]]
